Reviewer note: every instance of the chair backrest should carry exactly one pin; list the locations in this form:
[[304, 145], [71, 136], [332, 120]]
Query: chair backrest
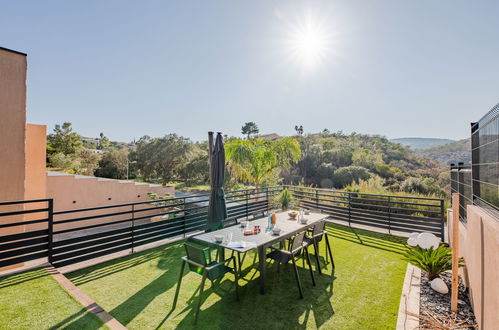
[[230, 222], [297, 243], [319, 228], [258, 214], [196, 254]]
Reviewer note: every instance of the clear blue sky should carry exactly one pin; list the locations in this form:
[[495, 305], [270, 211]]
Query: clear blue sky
[[131, 68]]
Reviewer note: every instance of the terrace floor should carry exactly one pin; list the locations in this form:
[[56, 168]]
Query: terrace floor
[[364, 293]]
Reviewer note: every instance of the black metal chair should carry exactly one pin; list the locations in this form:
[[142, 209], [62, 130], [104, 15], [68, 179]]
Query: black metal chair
[[199, 260], [315, 236], [284, 256]]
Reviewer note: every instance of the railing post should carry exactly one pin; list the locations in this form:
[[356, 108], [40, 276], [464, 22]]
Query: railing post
[[50, 230], [349, 209], [389, 214], [133, 227], [317, 199], [247, 200], [442, 220], [267, 197], [183, 222]]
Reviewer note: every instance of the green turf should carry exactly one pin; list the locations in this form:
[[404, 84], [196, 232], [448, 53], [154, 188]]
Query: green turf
[[364, 293], [35, 300]]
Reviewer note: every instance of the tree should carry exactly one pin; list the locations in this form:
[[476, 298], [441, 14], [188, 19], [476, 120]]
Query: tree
[[249, 128], [113, 164], [350, 174], [299, 130], [64, 140], [102, 142], [89, 161], [61, 161], [197, 169], [255, 160], [162, 158]]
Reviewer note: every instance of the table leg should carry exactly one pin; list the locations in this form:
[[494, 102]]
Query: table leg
[[262, 259]]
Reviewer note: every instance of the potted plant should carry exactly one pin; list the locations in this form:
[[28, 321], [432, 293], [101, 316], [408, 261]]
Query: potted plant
[[284, 200]]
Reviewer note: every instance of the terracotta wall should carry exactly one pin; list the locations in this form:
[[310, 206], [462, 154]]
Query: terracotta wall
[[479, 245], [12, 124], [77, 192]]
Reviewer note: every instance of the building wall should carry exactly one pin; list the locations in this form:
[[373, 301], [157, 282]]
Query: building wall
[[479, 245], [76, 192], [12, 124]]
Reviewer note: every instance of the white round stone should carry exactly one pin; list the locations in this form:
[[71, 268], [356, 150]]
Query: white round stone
[[413, 235], [412, 241], [426, 240], [439, 285]]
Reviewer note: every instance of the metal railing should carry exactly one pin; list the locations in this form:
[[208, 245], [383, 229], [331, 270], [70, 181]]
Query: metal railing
[[485, 161], [26, 228], [460, 183], [390, 212], [71, 236], [89, 233]]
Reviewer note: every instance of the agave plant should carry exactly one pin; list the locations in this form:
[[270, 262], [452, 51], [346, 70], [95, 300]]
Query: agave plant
[[433, 261]]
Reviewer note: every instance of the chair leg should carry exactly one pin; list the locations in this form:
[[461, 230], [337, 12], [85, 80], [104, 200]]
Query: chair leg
[[178, 284], [328, 246], [200, 297], [310, 266], [316, 252], [297, 277]]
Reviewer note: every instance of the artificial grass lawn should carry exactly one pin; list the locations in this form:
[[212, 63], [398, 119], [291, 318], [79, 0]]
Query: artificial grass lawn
[[364, 293], [34, 300]]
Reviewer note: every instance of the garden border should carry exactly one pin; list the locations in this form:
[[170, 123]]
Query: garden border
[[409, 300]]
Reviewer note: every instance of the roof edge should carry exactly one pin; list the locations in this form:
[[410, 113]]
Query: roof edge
[[13, 51]]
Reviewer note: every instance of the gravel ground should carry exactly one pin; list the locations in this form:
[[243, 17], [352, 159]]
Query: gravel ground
[[439, 303]]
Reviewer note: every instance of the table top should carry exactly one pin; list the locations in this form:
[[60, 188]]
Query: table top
[[287, 225]]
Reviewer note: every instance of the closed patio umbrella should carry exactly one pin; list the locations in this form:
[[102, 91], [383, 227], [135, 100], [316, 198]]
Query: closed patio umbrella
[[217, 211]]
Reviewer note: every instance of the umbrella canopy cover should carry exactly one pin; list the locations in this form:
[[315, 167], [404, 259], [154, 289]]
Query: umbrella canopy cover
[[217, 210]]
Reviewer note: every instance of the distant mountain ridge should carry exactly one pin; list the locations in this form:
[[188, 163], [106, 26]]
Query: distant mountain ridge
[[416, 143], [454, 152]]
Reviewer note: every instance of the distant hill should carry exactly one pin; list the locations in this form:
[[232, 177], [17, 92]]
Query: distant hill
[[421, 143], [454, 152]]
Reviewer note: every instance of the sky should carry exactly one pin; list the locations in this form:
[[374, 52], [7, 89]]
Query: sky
[[133, 68]]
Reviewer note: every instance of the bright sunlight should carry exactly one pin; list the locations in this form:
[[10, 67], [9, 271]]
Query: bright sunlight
[[309, 42]]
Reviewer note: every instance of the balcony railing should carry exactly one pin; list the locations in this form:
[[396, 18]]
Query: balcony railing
[[71, 236]]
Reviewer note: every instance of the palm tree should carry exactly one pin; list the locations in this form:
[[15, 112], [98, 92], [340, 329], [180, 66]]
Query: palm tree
[[255, 160]]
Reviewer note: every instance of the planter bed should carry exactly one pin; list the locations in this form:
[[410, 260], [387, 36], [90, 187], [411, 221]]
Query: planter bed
[[439, 304]]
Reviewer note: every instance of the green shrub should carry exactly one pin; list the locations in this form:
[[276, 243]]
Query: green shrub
[[284, 200], [433, 261]]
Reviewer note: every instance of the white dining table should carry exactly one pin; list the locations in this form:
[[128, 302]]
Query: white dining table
[[261, 241]]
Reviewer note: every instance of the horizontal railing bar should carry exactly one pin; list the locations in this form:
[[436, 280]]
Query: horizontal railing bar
[[23, 243], [109, 234], [29, 257], [24, 223], [91, 226], [20, 236], [5, 214], [25, 201], [22, 251]]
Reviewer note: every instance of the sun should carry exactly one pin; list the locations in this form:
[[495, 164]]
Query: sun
[[309, 42]]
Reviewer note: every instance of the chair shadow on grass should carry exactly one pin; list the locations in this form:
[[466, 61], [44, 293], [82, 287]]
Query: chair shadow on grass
[[280, 307], [168, 257]]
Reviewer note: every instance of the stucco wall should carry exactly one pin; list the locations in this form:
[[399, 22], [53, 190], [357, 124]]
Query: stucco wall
[[76, 192], [12, 124], [479, 245]]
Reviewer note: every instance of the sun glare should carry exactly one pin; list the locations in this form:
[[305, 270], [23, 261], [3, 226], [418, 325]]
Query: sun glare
[[309, 42]]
